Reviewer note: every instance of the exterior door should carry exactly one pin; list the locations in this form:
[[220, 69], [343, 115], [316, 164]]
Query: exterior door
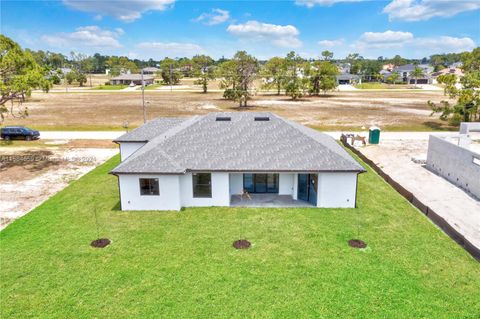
[[307, 188], [312, 189], [303, 187], [260, 183]]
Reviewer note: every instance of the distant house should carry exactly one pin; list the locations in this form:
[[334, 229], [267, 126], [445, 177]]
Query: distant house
[[388, 67], [406, 70], [458, 73], [150, 70], [344, 67], [233, 159], [347, 78], [127, 79]]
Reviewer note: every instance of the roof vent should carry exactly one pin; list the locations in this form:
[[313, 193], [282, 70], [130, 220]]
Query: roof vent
[[223, 119], [261, 118]]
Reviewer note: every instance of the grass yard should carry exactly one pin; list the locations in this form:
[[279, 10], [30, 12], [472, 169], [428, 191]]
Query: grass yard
[[110, 87], [380, 85], [182, 264]]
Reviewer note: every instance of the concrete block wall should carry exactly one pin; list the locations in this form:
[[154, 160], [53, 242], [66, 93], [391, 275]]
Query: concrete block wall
[[458, 165]]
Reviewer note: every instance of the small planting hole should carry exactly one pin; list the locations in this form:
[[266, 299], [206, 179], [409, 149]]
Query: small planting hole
[[241, 244], [100, 243], [357, 243]]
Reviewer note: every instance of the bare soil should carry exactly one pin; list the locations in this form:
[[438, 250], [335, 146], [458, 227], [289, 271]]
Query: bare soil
[[241, 244], [31, 174], [100, 243], [357, 243], [346, 110]]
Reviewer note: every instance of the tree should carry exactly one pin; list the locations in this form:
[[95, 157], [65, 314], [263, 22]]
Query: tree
[[247, 67], [19, 75], [327, 55], [274, 73], [467, 106], [71, 77], [398, 60], [171, 74], [393, 77], [324, 77], [119, 65], [295, 72], [416, 73], [355, 61], [204, 69], [238, 76]]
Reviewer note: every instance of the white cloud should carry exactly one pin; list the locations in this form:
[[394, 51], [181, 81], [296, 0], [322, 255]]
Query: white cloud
[[217, 16], [125, 10], [415, 10], [331, 43], [89, 36], [171, 49], [386, 37], [407, 44], [312, 3], [278, 35]]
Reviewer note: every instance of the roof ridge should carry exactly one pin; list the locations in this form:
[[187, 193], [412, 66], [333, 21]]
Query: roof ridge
[[152, 144]]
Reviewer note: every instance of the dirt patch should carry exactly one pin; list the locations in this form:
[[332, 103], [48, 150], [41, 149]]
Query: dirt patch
[[28, 180], [337, 111], [357, 243], [241, 244], [26, 163], [100, 243]]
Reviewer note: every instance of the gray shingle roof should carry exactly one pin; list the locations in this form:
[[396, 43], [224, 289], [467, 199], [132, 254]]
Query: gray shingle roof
[[151, 129], [203, 144]]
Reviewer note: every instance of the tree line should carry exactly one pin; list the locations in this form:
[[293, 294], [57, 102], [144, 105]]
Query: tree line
[[240, 77]]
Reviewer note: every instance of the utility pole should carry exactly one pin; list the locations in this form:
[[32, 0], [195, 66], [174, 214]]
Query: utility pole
[[171, 89], [143, 100]]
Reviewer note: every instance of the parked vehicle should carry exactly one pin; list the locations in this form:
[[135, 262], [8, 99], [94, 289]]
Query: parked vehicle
[[18, 132]]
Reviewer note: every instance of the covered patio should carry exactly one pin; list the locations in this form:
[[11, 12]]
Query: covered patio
[[267, 200]]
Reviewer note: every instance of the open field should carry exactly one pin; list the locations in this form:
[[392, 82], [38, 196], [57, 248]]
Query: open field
[[391, 110], [182, 264]]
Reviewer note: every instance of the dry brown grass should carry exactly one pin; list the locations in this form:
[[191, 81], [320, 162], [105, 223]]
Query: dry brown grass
[[397, 110]]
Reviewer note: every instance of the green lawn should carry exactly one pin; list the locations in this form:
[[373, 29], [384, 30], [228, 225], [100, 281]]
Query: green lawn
[[182, 264], [110, 87], [380, 85]]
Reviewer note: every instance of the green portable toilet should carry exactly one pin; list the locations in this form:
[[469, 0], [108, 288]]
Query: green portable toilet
[[374, 135]]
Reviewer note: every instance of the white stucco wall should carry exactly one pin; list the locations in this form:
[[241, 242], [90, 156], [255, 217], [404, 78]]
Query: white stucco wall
[[285, 184], [337, 190], [169, 198], [128, 148], [220, 191]]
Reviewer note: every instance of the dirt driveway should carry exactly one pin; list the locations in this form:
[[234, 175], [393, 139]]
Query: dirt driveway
[[29, 175]]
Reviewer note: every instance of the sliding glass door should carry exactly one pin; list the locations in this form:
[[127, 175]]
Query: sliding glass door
[[260, 183]]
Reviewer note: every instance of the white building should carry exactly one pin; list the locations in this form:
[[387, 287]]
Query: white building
[[233, 159]]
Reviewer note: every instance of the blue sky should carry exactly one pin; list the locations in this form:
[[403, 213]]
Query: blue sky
[[159, 28]]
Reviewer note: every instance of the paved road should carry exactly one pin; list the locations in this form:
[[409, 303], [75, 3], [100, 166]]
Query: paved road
[[110, 135]]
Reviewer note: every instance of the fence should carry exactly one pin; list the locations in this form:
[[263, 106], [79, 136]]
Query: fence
[[430, 213]]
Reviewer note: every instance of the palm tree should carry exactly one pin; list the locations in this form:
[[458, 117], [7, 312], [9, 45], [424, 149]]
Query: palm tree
[[394, 77], [417, 73]]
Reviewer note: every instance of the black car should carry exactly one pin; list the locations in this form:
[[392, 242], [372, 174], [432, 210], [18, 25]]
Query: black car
[[18, 132]]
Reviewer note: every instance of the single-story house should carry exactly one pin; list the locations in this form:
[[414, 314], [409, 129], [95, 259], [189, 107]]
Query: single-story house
[[405, 73], [127, 79], [233, 159], [150, 70], [347, 78]]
